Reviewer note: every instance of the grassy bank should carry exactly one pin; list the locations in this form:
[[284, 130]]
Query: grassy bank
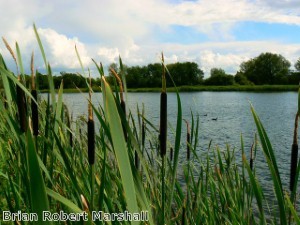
[[252, 88], [50, 162]]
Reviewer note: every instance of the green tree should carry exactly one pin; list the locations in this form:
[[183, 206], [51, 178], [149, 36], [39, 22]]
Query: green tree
[[297, 65], [241, 79], [218, 76], [214, 72], [186, 73], [267, 68]]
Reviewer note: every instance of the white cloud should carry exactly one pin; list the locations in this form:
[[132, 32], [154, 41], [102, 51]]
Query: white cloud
[[61, 49], [110, 54], [130, 28]]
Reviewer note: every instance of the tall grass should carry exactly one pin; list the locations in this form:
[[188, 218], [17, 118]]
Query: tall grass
[[41, 169]]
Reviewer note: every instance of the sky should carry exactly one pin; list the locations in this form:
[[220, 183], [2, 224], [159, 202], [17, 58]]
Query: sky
[[212, 33]]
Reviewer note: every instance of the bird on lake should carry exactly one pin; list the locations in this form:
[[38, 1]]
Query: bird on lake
[[215, 119]]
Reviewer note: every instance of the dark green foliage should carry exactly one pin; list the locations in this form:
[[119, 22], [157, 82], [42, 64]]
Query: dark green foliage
[[241, 79], [267, 68], [214, 72], [223, 80], [297, 65], [186, 73]]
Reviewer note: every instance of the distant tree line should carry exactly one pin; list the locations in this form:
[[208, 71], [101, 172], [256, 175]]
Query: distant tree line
[[267, 68]]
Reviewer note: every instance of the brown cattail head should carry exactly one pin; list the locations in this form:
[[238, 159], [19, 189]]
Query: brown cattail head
[[171, 154], [294, 155], [71, 135], [188, 147], [91, 142], [123, 107], [136, 160], [188, 140], [21, 103], [35, 115], [163, 124], [143, 133], [251, 157]]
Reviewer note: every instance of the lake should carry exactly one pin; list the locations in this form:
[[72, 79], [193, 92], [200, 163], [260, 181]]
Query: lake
[[232, 110]]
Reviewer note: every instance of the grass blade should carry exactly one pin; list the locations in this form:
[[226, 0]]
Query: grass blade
[[119, 143], [39, 200]]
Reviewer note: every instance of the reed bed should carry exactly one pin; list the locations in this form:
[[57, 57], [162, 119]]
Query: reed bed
[[60, 164]]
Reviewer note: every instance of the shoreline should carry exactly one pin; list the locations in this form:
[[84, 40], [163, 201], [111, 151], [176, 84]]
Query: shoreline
[[232, 88]]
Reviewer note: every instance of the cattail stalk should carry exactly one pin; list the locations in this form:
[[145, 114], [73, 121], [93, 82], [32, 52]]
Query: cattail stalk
[[163, 134], [91, 145], [21, 103], [122, 102], [171, 154], [91, 131], [34, 107], [294, 155]]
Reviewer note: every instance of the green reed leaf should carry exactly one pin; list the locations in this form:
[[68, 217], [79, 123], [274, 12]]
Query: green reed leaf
[[270, 157], [119, 143], [72, 207], [39, 200]]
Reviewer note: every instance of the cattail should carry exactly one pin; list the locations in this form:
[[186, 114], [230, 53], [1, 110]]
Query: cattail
[[136, 160], [143, 133], [21, 103], [163, 114], [21, 100], [91, 131], [34, 107], [294, 155], [91, 141], [251, 157], [35, 116], [11, 52], [122, 102], [123, 107], [188, 140], [71, 135], [183, 216]]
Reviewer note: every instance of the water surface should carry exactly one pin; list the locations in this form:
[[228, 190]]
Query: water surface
[[224, 117]]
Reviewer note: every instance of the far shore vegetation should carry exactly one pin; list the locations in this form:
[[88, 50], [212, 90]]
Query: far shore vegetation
[[267, 72], [238, 88]]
